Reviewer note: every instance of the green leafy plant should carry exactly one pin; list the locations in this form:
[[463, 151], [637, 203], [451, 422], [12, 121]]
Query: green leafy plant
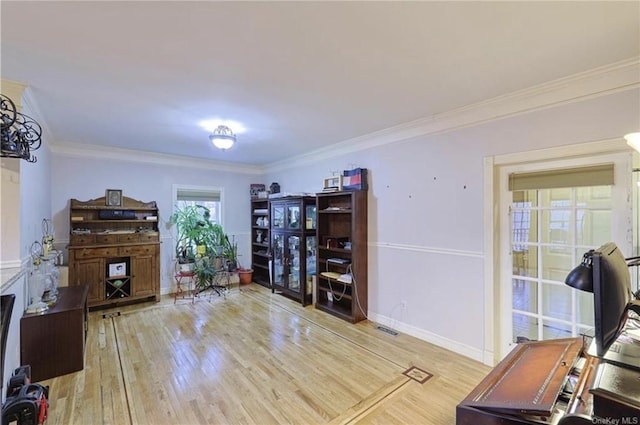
[[205, 271], [194, 229], [230, 252]]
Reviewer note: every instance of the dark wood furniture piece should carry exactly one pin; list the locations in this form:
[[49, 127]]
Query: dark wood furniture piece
[[115, 250], [293, 246], [260, 241], [53, 342], [553, 382], [342, 251]]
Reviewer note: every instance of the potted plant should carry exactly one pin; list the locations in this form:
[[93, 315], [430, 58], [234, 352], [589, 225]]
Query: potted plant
[[246, 275], [195, 236], [205, 271], [230, 252]]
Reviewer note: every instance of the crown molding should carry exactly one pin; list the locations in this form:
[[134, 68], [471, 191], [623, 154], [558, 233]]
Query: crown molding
[[120, 154], [602, 81]]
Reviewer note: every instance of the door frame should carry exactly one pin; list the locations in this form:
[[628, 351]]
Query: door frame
[[494, 166]]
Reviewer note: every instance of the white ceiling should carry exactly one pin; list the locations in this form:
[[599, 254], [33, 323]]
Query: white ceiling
[[297, 75]]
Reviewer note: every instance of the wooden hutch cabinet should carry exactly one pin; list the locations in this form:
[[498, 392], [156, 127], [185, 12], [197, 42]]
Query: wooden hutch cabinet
[[341, 287], [115, 250], [260, 241], [293, 246]]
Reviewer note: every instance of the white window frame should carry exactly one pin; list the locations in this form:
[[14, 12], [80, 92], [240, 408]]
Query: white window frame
[[186, 188]]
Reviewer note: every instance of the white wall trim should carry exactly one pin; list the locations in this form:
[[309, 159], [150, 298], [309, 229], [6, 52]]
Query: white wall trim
[[606, 80], [564, 152], [80, 150], [430, 337], [427, 249], [10, 275], [489, 222], [11, 264]]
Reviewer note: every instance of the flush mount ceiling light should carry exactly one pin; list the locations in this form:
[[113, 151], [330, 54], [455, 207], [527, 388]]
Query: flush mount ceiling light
[[222, 137], [633, 140]]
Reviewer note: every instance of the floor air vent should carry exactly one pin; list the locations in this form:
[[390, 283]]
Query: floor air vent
[[387, 330]]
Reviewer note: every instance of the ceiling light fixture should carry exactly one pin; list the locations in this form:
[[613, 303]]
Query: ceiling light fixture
[[222, 137], [20, 134], [633, 140]]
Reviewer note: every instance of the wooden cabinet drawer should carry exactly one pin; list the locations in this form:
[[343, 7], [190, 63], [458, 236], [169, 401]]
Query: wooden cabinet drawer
[[129, 238], [149, 237], [96, 252], [106, 239], [83, 239], [137, 250]]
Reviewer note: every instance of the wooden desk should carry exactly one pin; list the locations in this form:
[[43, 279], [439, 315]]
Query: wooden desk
[[53, 342], [530, 387]]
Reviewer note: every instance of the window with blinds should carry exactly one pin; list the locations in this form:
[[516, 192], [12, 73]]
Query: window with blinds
[[210, 198]]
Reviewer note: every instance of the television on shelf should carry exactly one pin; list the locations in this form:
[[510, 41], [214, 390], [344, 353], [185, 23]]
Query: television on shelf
[[612, 299]]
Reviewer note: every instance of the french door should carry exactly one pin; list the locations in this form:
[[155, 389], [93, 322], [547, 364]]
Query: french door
[[547, 232]]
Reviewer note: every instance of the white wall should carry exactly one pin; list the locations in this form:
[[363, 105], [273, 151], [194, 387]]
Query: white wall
[[35, 205], [426, 214], [86, 178]]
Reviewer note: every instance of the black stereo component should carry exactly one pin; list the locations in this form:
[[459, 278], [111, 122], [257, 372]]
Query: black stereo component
[[116, 214]]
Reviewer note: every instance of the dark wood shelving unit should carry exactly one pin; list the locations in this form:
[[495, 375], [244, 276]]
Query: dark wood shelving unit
[[260, 252], [342, 250]]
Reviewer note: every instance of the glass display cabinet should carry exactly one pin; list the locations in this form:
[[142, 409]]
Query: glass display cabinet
[[293, 244]]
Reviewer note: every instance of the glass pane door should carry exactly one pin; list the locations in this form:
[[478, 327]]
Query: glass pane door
[[277, 216], [278, 258], [293, 216], [294, 262], [310, 213], [311, 262], [551, 230]]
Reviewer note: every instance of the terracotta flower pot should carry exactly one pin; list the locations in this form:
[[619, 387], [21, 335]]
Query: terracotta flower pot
[[246, 276]]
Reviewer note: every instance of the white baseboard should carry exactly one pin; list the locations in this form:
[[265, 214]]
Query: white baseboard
[[449, 344]]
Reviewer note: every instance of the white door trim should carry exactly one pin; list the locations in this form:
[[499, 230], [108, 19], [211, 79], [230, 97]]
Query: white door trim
[[493, 165]]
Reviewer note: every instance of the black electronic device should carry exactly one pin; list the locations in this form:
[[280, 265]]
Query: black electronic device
[[26, 403], [6, 309], [338, 260], [117, 215], [27, 406], [612, 299]]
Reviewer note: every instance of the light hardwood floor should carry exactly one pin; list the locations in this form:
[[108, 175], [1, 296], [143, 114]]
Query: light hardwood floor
[[254, 358]]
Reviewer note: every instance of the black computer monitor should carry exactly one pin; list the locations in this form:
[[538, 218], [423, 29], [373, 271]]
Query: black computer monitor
[[611, 295]]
